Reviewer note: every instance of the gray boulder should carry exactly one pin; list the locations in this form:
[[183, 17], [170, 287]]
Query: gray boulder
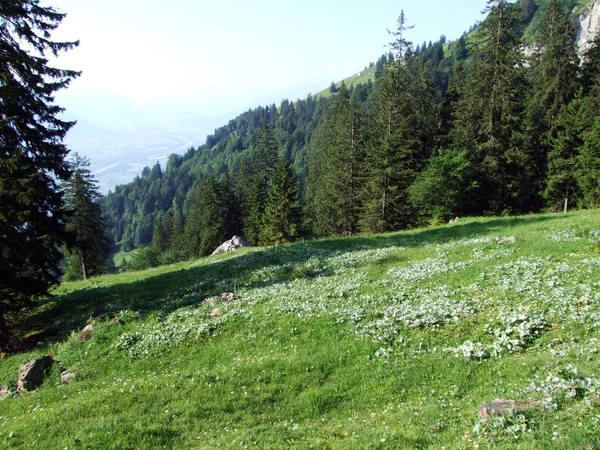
[[32, 374], [232, 244]]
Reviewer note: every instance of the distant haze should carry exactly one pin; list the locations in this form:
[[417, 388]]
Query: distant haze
[[172, 72]]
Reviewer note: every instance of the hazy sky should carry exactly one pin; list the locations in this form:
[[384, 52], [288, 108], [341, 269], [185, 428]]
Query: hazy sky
[[218, 56]]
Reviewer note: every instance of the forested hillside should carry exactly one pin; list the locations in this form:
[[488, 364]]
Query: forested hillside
[[481, 125]]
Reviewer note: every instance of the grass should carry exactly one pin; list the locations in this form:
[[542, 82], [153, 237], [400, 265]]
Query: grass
[[387, 341], [353, 80]]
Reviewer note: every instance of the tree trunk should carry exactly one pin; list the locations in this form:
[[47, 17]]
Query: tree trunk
[[4, 333], [83, 269]]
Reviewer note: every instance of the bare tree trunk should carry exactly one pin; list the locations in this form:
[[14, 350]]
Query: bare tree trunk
[[83, 269]]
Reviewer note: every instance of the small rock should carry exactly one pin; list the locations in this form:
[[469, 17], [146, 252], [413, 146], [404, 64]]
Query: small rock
[[501, 407], [4, 392], [32, 374], [66, 376], [233, 244], [508, 240], [88, 328], [215, 312]]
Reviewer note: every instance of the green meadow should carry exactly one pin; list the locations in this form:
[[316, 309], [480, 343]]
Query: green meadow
[[384, 341]]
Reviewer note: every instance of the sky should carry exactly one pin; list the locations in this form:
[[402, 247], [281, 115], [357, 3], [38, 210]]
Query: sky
[[213, 57]]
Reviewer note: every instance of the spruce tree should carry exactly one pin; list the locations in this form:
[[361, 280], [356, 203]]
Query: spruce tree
[[88, 248], [588, 171], [32, 155], [402, 133], [553, 78], [281, 219], [333, 177], [489, 113], [265, 159], [205, 224]]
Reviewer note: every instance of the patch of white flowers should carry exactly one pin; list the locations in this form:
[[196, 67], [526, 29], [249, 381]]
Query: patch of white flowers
[[181, 326], [514, 331], [566, 235], [565, 385]]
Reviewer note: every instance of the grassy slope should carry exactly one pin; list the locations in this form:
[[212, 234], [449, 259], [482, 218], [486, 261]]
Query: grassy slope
[[352, 80], [336, 343]]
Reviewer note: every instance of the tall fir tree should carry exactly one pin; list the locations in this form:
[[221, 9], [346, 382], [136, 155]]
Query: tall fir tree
[[265, 159], [281, 219], [32, 154], [89, 248], [205, 223], [402, 133], [489, 113], [588, 167], [333, 177], [553, 79]]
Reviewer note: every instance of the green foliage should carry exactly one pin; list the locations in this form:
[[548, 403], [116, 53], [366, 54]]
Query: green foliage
[[89, 247], [489, 114], [205, 224], [588, 173], [442, 188], [281, 219], [32, 155], [334, 169]]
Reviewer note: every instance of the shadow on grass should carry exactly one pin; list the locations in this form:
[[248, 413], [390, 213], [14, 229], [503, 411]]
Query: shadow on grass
[[166, 292]]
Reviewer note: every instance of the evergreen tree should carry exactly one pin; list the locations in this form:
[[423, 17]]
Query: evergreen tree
[[231, 207], [588, 172], [281, 219], [89, 247], [489, 113], [161, 236], [265, 160], [562, 189], [554, 68], [402, 134], [205, 224], [32, 155], [332, 185]]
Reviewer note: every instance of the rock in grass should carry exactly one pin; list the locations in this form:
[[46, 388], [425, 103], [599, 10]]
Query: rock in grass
[[508, 240], [86, 333], [4, 392], [33, 373], [215, 312], [67, 376], [232, 244], [502, 407]]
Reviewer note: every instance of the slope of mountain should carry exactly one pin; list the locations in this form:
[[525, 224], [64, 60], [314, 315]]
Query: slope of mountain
[[389, 341]]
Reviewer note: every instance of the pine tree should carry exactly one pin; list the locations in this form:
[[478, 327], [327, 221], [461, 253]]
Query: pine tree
[[32, 155], [489, 114], [89, 247], [553, 74], [281, 219]]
